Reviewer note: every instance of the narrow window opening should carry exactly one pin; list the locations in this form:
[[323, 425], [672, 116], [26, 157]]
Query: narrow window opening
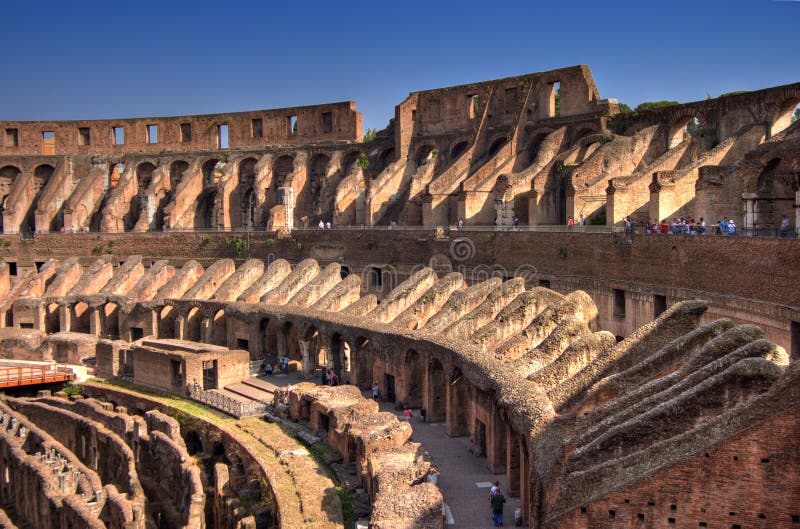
[[377, 277], [472, 105], [736, 526], [670, 521], [12, 138], [612, 515], [555, 100], [651, 504], [510, 100], [619, 303], [762, 516], [26, 325], [702, 524], [48, 142], [12, 268], [583, 510], [765, 460], [673, 507], [327, 122], [626, 501], [544, 283], [659, 305], [794, 332], [39, 265], [186, 132], [796, 518], [345, 271], [243, 344], [222, 136], [118, 135], [731, 513], [257, 128], [177, 375], [137, 333], [640, 516], [152, 134], [84, 136], [291, 125]]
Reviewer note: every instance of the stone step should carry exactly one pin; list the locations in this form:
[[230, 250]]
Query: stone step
[[233, 394], [248, 392], [260, 384]]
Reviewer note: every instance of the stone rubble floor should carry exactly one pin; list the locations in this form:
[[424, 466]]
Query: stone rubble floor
[[463, 477]]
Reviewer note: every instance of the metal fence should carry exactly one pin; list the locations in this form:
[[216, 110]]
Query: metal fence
[[225, 403], [770, 232]]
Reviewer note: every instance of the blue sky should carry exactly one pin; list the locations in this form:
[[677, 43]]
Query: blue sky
[[90, 60]]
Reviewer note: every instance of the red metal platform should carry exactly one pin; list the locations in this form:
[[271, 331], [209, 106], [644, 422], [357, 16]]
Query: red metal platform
[[28, 375]]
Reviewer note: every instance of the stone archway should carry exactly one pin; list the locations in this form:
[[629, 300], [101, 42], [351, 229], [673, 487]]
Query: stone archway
[[436, 407], [413, 377]]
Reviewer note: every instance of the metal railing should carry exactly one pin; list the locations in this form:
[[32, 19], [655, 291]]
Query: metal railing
[[225, 403], [450, 229], [28, 375]]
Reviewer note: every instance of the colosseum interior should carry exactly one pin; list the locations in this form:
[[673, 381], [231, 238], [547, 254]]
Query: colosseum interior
[[484, 261]]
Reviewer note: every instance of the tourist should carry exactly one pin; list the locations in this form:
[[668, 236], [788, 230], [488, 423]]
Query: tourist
[[432, 476], [723, 226], [407, 414], [268, 369], [570, 222], [784, 226], [582, 220], [497, 501], [334, 379], [731, 228], [627, 222], [494, 489], [376, 392], [321, 224], [460, 224], [702, 229], [328, 225], [516, 223]]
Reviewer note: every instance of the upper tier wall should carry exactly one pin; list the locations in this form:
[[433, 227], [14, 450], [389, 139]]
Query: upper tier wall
[[245, 130]]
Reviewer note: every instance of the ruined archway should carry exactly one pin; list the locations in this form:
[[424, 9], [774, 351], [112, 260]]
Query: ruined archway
[[775, 194], [110, 320], [362, 363], [786, 113], [246, 192], [211, 169], [207, 211], [424, 154], [457, 404], [193, 325], [413, 372], [496, 145], [458, 149], [41, 176], [139, 203], [219, 328], [437, 392], [282, 170], [349, 162], [8, 175], [682, 128], [309, 201]]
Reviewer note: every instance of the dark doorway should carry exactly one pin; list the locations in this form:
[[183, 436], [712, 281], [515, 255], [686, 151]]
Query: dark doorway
[[388, 381], [137, 333], [209, 374], [480, 438]]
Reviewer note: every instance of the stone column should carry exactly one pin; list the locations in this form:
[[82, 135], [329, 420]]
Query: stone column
[[64, 317], [95, 323], [533, 208], [748, 212], [308, 368], [180, 326]]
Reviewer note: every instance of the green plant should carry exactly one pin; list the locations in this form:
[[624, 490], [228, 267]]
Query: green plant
[[207, 239], [624, 108], [299, 246], [796, 114], [363, 161], [223, 158], [370, 135], [559, 166], [71, 389], [562, 253], [492, 236], [607, 138], [652, 105], [97, 250], [372, 245], [270, 243], [238, 243]]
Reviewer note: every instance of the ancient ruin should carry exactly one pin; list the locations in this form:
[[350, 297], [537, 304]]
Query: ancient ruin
[[607, 378]]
